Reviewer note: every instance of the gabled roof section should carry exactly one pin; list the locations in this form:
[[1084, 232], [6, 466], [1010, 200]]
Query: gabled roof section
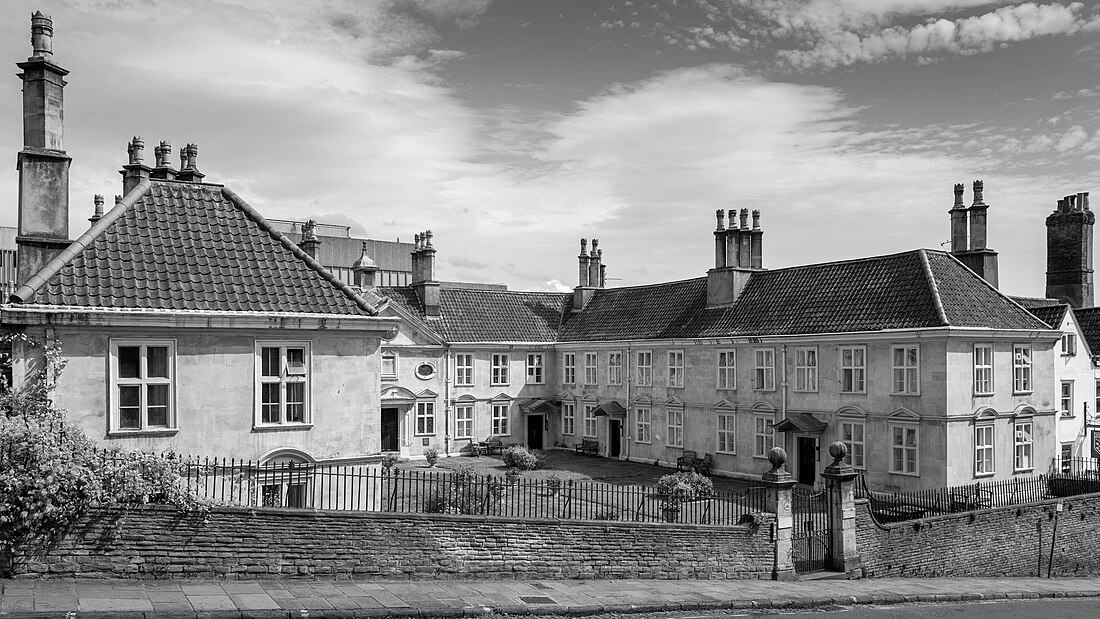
[[969, 301], [476, 315], [1089, 320], [189, 246], [656, 311]]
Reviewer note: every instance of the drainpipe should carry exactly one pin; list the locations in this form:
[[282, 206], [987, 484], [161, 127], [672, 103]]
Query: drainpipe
[[783, 392], [447, 399], [627, 375]]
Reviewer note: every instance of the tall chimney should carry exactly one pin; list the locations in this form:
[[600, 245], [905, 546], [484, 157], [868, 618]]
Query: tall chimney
[[1069, 251], [958, 214], [310, 243], [745, 241], [43, 165], [424, 282], [733, 241], [720, 240], [594, 264], [582, 265], [756, 249], [414, 255], [135, 170], [978, 218], [98, 201]]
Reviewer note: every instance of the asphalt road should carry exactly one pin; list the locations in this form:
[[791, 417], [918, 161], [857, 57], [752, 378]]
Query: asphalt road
[[1004, 609]]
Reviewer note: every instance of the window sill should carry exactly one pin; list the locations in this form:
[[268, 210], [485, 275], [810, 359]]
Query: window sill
[[906, 395], [905, 474], [984, 475], [725, 388], [464, 385], [1065, 415], [1023, 471], [853, 392], [803, 390], [984, 395], [288, 427], [725, 453], [1022, 392], [117, 433], [500, 384], [393, 377]]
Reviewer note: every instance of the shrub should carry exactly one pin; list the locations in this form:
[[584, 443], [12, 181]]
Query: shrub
[[679, 487], [518, 456], [469, 494], [606, 513], [553, 484], [388, 462], [431, 454]]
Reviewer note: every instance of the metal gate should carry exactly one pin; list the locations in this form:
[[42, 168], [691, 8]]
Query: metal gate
[[812, 532]]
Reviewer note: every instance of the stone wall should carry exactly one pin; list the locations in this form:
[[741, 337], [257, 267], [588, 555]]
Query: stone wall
[[155, 542], [1008, 541]]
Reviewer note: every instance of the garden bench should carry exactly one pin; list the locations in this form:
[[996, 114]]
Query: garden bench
[[588, 446], [702, 465], [686, 461], [488, 446]]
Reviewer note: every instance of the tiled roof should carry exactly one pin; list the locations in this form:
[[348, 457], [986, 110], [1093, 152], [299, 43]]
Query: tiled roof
[[910, 290], [475, 315], [1030, 302], [188, 246], [1089, 319]]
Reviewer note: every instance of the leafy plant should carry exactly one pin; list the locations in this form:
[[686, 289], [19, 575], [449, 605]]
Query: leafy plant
[[431, 454], [469, 493], [676, 488], [519, 457], [389, 461]]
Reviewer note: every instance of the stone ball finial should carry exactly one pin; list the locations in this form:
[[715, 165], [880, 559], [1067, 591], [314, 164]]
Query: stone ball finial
[[777, 456], [838, 451]]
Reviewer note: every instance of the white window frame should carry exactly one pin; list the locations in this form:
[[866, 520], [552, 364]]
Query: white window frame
[[726, 431], [501, 417], [853, 373], [983, 369], [727, 369], [644, 370], [985, 460], [569, 368], [464, 369], [675, 368], [675, 435], [590, 425], [287, 376], [568, 418], [805, 368], [1069, 344], [1022, 361], [1065, 400], [853, 433], [464, 419], [763, 434], [904, 449], [1023, 439], [144, 382], [392, 373], [643, 422], [591, 368], [535, 368], [424, 418], [763, 374], [906, 376], [615, 367], [500, 363]]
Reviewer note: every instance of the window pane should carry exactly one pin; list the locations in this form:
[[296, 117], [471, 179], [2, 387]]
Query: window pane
[[269, 361], [129, 362], [269, 402], [295, 362], [129, 407], [157, 408], [156, 361], [295, 402]]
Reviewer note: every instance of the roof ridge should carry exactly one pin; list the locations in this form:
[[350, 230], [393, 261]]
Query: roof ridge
[[298, 252], [928, 275], [636, 286], [491, 291], [26, 292]]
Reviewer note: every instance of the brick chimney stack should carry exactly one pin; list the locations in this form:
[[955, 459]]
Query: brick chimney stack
[[189, 169], [43, 165], [424, 282], [738, 253], [969, 246], [98, 201], [592, 274], [135, 170], [310, 243], [594, 260], [582, 265], [1069, 251], [162, 154]]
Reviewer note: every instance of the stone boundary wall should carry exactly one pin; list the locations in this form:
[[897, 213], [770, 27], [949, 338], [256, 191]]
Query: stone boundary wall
[[1005, 541], [161, 542]]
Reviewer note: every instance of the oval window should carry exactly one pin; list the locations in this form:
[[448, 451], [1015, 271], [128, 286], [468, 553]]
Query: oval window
[[425, 370]]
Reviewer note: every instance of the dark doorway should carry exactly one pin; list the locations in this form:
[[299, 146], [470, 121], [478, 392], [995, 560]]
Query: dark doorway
[[614, 437], [389, 429], [807, 460], [534, 431]]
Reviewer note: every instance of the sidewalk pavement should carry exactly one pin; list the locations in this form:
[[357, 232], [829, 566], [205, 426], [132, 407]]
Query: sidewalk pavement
[[308, 599]]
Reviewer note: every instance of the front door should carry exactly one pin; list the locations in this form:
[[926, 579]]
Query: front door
[[614, 437], [807, 460], [534, 431], [389, 429]]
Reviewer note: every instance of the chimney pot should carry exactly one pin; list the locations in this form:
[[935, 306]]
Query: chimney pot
[[756, 220], [721, 215], [958, 194], [978, 187], [118, 198], [428, 239], [161, 153], [98, 214], [744, 219], [136, 151], [41, 35]]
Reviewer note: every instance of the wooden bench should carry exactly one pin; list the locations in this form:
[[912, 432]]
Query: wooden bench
[[702, 465], [488, 446], [686, 461], [588, 446]]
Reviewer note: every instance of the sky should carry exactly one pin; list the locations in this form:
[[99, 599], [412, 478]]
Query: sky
[[513, 128]]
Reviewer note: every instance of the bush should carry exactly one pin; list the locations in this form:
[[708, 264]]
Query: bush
[[687, 486], [469, 494], [520, 458]]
